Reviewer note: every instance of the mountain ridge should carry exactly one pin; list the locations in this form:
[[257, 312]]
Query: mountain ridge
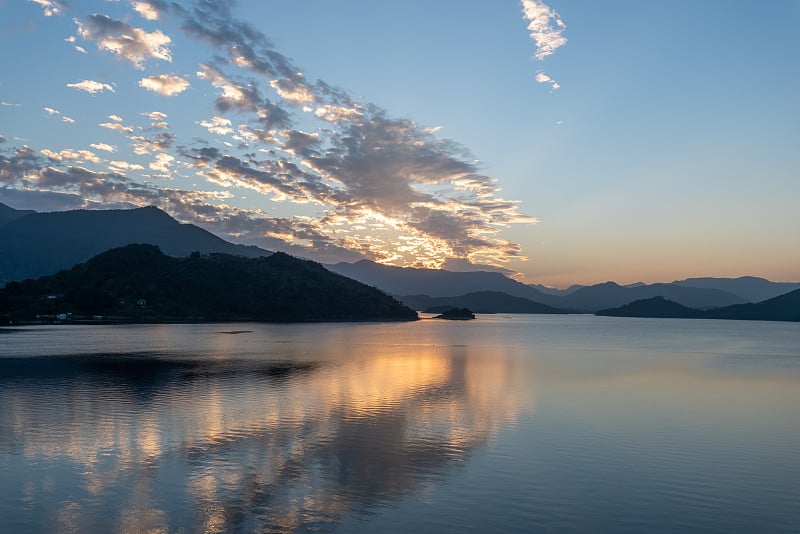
[[38, 244]]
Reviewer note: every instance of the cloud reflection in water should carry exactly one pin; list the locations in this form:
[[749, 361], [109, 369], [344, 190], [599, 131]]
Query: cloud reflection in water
[[158, 441]]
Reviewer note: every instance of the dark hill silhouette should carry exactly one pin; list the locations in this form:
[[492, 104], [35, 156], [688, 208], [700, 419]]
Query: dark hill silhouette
[[140, 283], [782, 308], [750, 288], [653, 307], [479, 302], [38, 244], [785, 307]]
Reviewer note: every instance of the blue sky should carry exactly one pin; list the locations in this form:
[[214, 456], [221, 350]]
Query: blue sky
[[421, 134]]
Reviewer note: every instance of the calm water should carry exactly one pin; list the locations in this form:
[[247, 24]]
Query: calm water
[[504, 424]]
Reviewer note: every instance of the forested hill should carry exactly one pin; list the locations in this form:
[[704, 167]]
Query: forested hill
[[138, 283]]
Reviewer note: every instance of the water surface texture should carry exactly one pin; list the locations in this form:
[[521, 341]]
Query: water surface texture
[[508, 423]]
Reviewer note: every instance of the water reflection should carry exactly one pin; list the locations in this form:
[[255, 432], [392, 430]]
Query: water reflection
[[158, 441]]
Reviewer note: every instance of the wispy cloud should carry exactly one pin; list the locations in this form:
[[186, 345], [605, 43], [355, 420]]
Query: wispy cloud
[[104, 147], [71, 40], [164, 84], [116, 127], [541, 77], [55, 113], [91, 86], [546, 30], [124, 41], [50, 7]]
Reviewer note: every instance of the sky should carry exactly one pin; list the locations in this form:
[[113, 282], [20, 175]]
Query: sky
[[561, 142]]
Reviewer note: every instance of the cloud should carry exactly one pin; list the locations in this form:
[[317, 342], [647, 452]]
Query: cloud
[[381, 187], [71, 154], [541, 77], [50, 7], [155, 115], [162, 164], [164, 84], [91, 86], [55, 112], [104, 147], [158, 143], [10, 104], [149, 9], [546, 29], [121, 166], [116, 127], [234, 96], [71, 40], [217, 125], [293, 90], [124, 41], [115, 118]]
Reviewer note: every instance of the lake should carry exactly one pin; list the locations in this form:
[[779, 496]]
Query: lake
[[510, 423]]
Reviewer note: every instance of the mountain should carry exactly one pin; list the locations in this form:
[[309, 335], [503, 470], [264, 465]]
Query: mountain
[[139, 283], [653, 307], [37, 244], [479, 302], [781, 308], [555, 291], [8, 213], [750, 288], [440, 283], [436, 282], [785, 307], [612, 295]]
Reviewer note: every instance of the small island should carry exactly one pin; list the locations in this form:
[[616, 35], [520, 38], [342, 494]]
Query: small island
[[456, 314]]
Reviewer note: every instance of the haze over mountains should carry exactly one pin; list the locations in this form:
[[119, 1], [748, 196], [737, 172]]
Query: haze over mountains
[[405, 282], [37, 244]]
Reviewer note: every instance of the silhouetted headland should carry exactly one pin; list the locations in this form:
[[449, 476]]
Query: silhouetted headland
[[138, 283]]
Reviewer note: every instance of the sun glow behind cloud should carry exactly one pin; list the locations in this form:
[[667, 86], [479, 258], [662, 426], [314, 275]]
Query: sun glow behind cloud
[[365, 183]]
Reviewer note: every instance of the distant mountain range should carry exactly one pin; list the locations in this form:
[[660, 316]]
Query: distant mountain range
[[36, 244], [750, 288], [785, 307], [138, 283], [434, 283]]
